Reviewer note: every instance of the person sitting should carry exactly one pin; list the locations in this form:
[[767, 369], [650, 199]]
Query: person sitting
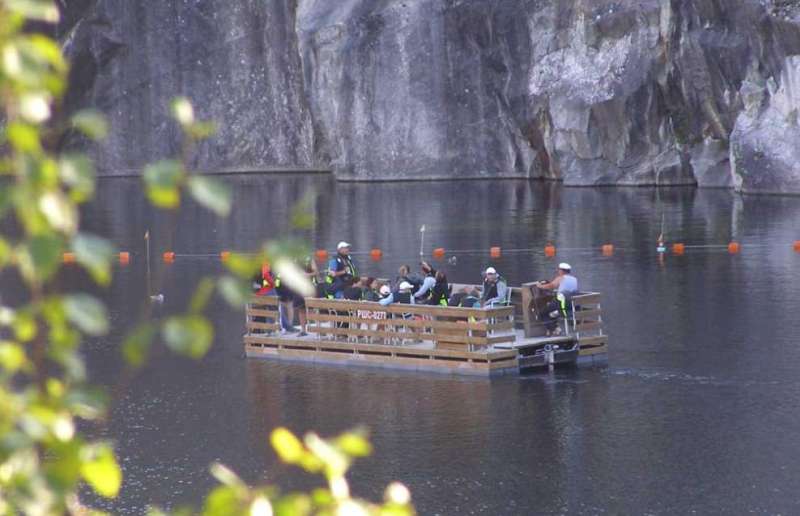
[[565, 285], [465, 298], [403, 295], [369, 290], [403, 273], [495, 289], [429, 281]]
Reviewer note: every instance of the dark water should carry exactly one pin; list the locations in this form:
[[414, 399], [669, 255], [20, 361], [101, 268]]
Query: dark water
[[697, 411]]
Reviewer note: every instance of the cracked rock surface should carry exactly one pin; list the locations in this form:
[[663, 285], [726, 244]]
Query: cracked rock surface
[[629, 92]]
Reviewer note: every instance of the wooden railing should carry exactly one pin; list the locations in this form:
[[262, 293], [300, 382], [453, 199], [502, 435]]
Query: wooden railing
[[586, 319], [261, 315], [454, 328], [467, 329]]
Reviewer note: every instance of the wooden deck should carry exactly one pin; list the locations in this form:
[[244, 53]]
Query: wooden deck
[[473, 341]]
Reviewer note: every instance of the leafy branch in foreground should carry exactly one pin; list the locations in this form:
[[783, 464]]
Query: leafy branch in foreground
[[44, 393]]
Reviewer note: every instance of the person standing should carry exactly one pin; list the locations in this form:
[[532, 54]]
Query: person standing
[[423, 293], [440, 291], [341, 271]]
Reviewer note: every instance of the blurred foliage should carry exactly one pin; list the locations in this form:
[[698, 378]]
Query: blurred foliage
[[44, 459]]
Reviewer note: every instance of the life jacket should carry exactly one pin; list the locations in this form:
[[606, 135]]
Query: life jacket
[[490, 291], [403, 297], [344, 263], [266, 280], [439, 294]]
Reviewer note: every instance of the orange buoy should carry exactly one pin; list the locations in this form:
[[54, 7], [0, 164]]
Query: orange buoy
[[438, 253], [494, 252], [678, 249], [376, 254], [169, 257], [321, 255], [797, 246], [124, 258], [69, 258], [549, 250], [608, 249], [224, 256], [734, 248]]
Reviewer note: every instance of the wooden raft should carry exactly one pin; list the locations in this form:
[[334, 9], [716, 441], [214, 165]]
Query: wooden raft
[[419, 337]]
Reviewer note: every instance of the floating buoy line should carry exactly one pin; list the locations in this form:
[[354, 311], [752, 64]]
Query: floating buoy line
[[124, 258]]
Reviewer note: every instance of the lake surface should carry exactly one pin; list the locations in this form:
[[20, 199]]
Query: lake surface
[[696, 412]]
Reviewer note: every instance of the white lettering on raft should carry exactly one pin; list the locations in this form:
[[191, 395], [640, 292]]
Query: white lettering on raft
[[369, 314]]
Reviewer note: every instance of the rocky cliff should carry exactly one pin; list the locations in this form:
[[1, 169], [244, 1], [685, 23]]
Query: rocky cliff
[[589, 92]]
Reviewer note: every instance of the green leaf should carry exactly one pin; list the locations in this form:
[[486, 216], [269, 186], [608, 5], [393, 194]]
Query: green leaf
[[91, 122], [77, 172], [24, 138], [86, 403], [95, 254], [87, 313], [242, 265], [189, 335], [302, 216], [39, 257], [222, 501], [354, 444], [162, 180], [24, 325], [287, 446], [201, 130], [42, 10], [236, 292], [59, 211], [137, 344], [182, 111], [212, 194], [202, 295], [5, 253], [12, 357], [101, 471]]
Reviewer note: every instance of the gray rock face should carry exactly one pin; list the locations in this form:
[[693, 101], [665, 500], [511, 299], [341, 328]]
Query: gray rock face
[[237, 61], [629, 92]]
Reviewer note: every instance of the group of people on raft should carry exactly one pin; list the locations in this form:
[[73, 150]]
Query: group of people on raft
[[429, 286]]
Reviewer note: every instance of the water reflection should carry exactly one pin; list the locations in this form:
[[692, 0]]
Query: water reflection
[[696, 411]]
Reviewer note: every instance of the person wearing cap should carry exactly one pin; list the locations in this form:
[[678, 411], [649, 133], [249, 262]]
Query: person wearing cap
[[341, 271], [495, 288], [565, 285], [403, 295]]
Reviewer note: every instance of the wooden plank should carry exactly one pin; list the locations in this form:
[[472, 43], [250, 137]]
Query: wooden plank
[[588, 326], [264, 300], [590, 298], [593, 351], [594, 340], [411, 322], [253, 312], [397, 308], [408, 335], [251, 325], [587, 314], [359, 347]]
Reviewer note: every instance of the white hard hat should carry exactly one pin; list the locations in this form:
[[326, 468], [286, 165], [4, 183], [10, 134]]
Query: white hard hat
[[405, 286], [564, 266], [491, 270], [341, 245], [385, 290]]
